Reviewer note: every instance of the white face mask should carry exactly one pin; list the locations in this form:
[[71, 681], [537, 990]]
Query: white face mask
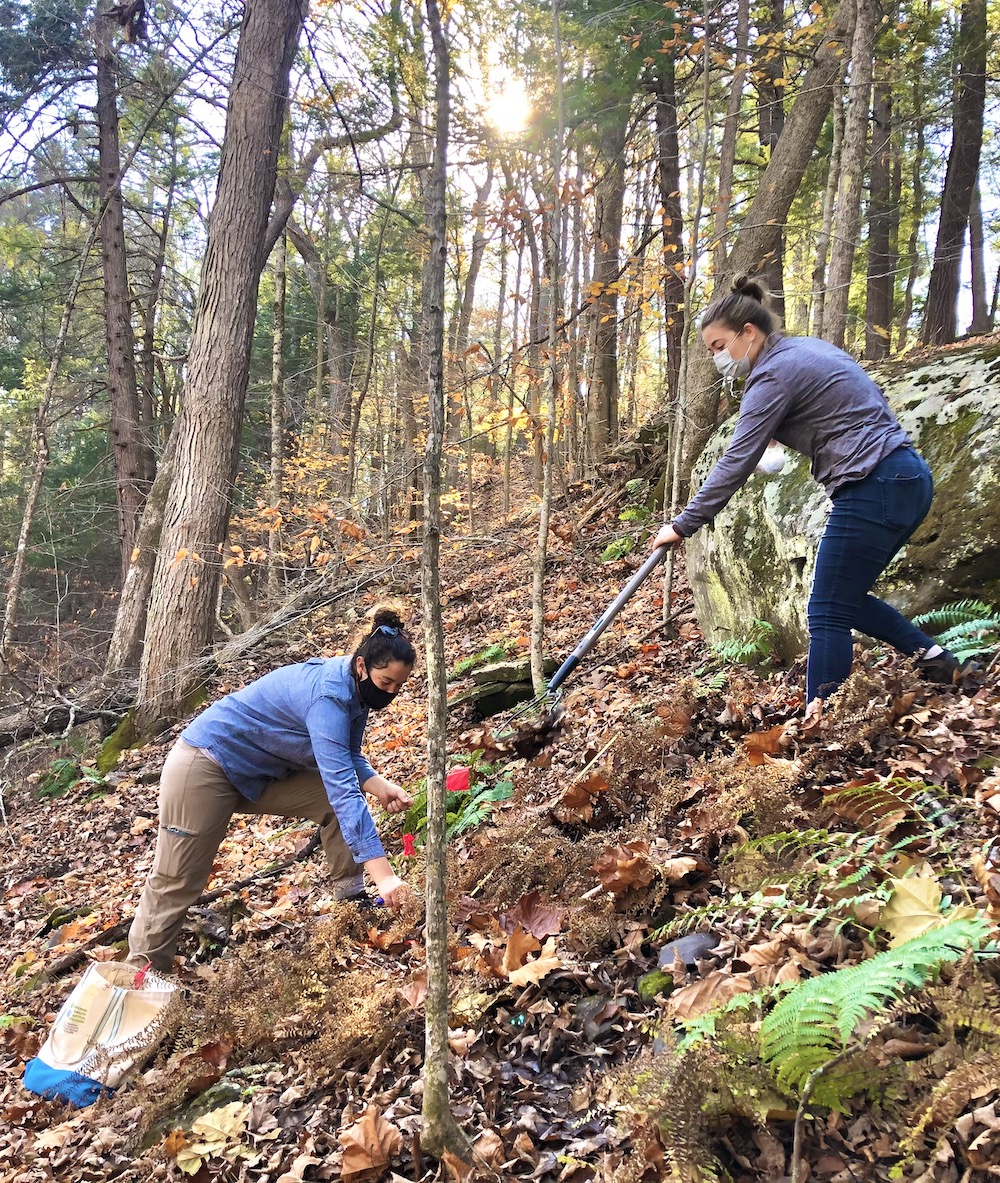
[[732, 367]]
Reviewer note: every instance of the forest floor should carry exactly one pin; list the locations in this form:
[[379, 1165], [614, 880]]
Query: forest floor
[[679, 800]]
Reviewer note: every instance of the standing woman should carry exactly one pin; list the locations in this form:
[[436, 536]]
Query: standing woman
[[813, 397], [288, 744]]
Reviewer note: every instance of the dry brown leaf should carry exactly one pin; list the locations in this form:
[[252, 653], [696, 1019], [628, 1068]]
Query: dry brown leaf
[[369, 1144], [675, 718], [297, 1171], [678, 868], [761, 744], [515, 954], [457, 1170], [700, 997], [577, 802], [489, 1148], [620, 868], [534, 916], [415, 991], [534, 971]]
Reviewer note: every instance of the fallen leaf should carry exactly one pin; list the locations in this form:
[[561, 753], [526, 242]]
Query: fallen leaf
[[761, 744], [534, 916], [540, 967], [620, 868], [914, 907], [369, 1143], [519, 945], [704, 995], [415, 991]]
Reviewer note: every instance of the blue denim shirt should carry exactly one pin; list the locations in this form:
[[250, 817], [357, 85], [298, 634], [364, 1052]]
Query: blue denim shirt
[[815, 398], [298, 717]]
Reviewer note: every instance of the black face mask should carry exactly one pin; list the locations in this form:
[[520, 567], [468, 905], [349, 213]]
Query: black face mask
[[374, 696]]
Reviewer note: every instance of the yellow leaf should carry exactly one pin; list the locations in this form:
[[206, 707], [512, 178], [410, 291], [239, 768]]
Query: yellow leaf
[[181, 554], [135, 554], [914, 907]]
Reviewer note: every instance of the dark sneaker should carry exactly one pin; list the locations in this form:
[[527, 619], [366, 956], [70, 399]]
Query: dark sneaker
[[945, 668]]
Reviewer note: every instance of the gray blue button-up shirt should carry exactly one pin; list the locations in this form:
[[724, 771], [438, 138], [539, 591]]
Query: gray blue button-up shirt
[[299, 717]]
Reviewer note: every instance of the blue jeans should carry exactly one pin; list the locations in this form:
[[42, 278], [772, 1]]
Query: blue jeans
[[869, 522]]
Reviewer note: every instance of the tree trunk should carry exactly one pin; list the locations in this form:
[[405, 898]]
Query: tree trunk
[[847, 214], [883, 216], [771, 123], [829, 199], [668, 172], [182, 603], [730, 136], [940, 321], [761, 229], [133, 454], [977, 250], [609, 202], [125, 646], [440, 1131], [555, 277], [277, 421], [917, 214], [460, 334]]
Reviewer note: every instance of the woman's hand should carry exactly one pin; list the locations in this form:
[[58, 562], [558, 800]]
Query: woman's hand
[[394, 892], [666, 536], [392, 797]]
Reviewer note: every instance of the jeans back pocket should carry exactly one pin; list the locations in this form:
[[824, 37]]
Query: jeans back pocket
[[904, 500]]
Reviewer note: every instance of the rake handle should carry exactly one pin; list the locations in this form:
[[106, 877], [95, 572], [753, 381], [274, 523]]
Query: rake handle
[[606, 617]]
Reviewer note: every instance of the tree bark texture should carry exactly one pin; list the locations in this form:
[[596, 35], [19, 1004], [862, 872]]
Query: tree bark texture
[[609, 202], [765, 217], [883, 218], [277, 458], [130, 444], [668, 174], [941, 318], [977, 252], [770, 78], [182, 603], [847, 213], [730, 136], [440, 1132]]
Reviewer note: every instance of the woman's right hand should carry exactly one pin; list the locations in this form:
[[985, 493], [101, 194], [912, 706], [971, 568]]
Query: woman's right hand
[[666, 536], [394, 892]]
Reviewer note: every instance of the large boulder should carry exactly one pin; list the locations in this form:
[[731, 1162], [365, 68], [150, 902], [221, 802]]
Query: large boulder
[[756, 560]]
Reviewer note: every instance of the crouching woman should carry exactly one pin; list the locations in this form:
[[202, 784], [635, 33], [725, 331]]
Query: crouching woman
[[288, 744]]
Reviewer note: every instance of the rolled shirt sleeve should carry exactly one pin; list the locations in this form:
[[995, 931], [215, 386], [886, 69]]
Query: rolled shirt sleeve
[[336, 745]]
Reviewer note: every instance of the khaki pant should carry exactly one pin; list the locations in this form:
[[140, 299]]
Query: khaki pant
[[196, 804]]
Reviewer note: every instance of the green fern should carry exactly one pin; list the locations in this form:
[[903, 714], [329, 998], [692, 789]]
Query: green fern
[[817, 1021], [474, 660], [754, 647], [950, 615]]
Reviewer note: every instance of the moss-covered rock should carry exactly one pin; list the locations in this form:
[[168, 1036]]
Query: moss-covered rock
[[757, 559]]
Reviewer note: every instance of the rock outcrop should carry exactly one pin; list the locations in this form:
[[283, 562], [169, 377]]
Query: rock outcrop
[[756, 560]]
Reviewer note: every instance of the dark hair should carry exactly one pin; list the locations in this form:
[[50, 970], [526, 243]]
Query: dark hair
[[385, 640], [746, 303]]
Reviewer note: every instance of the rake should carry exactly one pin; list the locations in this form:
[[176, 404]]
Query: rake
[[548, 701]]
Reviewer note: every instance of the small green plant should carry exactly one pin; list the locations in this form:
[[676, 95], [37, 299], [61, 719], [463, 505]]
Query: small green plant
[[63, 774], [466, 809], [755, 647], [618, 549], [809, 1035], [475, 660], [969, 628], [635, 513]]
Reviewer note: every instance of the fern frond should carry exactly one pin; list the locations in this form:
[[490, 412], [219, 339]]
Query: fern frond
[[949, 615], [817, 1020]]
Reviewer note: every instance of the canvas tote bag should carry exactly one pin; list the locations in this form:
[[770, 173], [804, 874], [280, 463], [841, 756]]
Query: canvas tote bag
[[112, 1021]]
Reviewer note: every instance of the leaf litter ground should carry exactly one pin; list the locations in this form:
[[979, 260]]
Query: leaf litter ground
[[667, 808]]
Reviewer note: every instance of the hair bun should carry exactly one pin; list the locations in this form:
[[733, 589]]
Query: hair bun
[[754, 288], [387, 616]]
